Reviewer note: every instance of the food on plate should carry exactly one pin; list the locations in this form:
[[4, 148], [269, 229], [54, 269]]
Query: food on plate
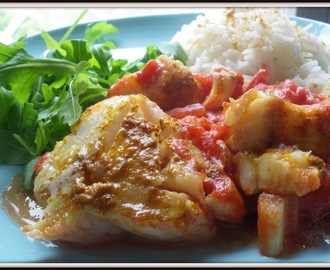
[[283, 170], [128, 162], [277, 222], [245, 39], [259, 120], [225, 84], [176, 151], [121, 164], [129, 167]]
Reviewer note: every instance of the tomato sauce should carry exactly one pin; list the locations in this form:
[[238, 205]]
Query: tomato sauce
[[150, 72], [203, 131], [316, 204], [206, 81], [259, 78], [291, 92], [196, 109], [205, 128]]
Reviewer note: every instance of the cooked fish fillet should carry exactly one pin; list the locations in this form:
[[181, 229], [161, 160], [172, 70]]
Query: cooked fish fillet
[[258, 121], [115, 173]]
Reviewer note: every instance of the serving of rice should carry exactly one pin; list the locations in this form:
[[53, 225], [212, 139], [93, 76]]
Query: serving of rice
[[246, 39]]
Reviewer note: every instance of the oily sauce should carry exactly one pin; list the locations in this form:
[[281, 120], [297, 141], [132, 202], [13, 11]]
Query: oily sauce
[[19, 203], [22, 209]]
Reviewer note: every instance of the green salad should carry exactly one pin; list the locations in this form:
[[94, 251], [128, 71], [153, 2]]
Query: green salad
[[41, 97]]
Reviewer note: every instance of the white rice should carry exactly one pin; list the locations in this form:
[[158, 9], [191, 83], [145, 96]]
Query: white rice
[[244, 40]]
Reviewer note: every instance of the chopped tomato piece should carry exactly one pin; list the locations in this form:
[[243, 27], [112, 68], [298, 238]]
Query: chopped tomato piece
[[287, 90], [259, 78], [239, 86], [196, 109], [205, 132], [206, 81], [151, 71], [41, 160]]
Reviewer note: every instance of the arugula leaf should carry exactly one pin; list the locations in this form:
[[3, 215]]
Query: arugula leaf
[[28, 173], [6, 102], [22, 71], [41, 139], [11, 150], [6, 53], [16, 114], [30, 116], [94, 32], [19, 43], [173, 49], [101, 57], [76, 50], [26, 141], [52, 43], [70, 110]]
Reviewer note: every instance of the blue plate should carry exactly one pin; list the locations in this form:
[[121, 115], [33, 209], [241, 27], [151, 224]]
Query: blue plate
[[135, 34]]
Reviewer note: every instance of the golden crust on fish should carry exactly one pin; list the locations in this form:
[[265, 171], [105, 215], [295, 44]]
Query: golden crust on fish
[[111, 167]]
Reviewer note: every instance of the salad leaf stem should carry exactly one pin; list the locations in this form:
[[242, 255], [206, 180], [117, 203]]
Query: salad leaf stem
[[73, 26]]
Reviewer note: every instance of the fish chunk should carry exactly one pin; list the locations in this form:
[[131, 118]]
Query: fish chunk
[[165, 81], [107, 178], [225, 84], [251, 121], [282, 171], [259, 120], [277, 223]]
